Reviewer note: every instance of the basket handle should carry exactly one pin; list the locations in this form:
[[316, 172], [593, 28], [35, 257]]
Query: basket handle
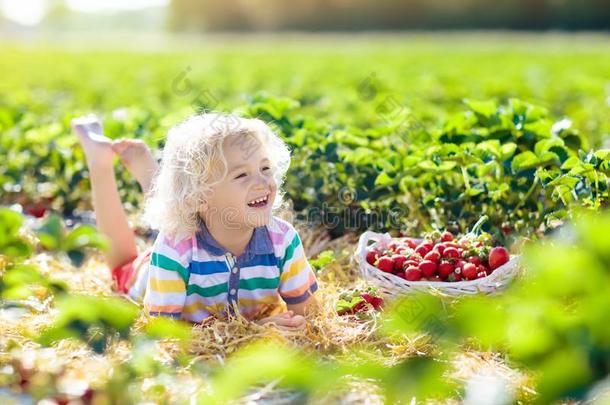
[[367, 237]]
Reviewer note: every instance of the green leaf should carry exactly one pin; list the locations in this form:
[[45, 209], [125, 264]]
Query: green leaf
[[523, 161], [165, 328], [383, 179], [485, 109], [50, 232], [84, 236], [603, 154], [546, 144]]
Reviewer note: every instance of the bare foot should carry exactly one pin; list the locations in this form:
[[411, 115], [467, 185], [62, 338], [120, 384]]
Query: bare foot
[[97, 147], [138, 159]]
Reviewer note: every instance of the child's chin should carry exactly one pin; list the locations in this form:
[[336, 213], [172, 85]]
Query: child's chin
[[259, 219]]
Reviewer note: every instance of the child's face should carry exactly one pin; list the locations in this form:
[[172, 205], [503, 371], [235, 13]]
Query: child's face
[[249, 178]]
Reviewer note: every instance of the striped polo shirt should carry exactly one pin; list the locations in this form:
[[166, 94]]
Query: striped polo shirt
[[195, 277]]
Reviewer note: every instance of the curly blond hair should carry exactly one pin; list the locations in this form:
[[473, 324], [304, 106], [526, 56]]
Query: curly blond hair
[[192, 159]]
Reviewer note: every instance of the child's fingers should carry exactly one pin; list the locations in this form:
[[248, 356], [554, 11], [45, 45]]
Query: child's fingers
[[298, 320]]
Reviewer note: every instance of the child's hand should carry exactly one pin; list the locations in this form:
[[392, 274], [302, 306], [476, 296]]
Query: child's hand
[[287, 320]]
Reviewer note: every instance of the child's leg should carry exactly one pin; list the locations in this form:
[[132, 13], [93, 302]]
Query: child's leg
[[110, 216], [138, 159]]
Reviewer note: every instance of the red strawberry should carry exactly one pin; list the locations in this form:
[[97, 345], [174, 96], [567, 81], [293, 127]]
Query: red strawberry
[[451, 253], [386, 264], [444, 269], [440, 248], [411, 243], [359, 307], [36, 210], [402, 250], [399, 261], [460, 264], [447, 236], [497, 257], [376, 302], [455, 276], [484, 269], [469, 271], [393, 246], [481, 275], [435, 278], [427, 268], [433, 256], [371, 257], [413, 274], [409, 263], [423, 249], [476, 260]]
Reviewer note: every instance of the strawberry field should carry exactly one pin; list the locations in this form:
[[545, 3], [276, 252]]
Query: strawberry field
[[493, 147]]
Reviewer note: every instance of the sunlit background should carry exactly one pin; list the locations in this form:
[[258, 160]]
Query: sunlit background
[[315, 15]]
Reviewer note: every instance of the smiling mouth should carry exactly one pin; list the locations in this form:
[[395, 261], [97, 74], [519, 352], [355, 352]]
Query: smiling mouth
[[259, 202]]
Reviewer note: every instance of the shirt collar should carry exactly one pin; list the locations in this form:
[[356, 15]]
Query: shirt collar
[[259, 244]]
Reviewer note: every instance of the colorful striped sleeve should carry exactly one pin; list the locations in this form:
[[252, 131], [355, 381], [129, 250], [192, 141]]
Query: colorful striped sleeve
[[297, 279], [168, 277]]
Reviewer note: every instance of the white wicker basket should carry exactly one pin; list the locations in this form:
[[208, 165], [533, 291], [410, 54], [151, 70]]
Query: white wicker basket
[[391, 285]]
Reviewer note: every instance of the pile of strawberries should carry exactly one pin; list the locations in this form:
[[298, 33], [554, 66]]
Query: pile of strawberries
[[438, 257]]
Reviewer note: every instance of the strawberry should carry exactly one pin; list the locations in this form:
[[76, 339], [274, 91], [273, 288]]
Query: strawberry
[[450, 245], [447, 236], [497, 257], [481, 274], [469, 271], [385, 263], [36, 210], [410, 262], [359, 307], [455, 276], [371, 257], [412, 243], [476, 260], [484, 269], [427, 268], [413, 274], [460, 264], [451, 253], [402, 250], [393, 246], [433, 256], [399, 261], [444, 269], [376, 302], [440, 248], [423, 248]]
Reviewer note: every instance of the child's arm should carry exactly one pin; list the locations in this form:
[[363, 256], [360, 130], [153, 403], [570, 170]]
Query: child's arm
[[307, 306], [167, 278], [297, 280]]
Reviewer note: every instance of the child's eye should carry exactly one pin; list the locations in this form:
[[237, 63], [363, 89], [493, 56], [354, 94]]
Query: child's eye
[[266, 168], [241, 175]]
